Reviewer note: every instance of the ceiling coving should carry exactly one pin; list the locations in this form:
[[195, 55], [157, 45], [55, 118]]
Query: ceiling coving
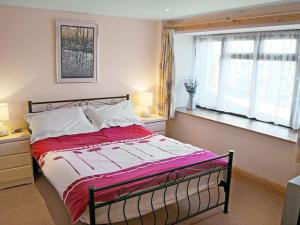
[[142, 9]]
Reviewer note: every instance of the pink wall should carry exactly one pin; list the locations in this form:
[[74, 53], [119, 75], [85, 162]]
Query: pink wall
[[262, 155], [129, 52]]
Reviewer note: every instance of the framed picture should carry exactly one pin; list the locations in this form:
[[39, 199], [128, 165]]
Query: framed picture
[[76, 51]]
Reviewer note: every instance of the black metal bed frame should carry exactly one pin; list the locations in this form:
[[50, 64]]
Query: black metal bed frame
[[164, 180], [50, 105]]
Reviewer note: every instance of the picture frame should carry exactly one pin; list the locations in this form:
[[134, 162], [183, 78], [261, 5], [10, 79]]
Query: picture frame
[[76, 51]]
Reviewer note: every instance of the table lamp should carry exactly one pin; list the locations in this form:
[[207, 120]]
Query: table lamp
[[4, 116], [145, 100]]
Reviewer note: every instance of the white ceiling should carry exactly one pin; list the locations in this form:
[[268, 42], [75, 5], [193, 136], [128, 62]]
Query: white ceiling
[[142, 9]]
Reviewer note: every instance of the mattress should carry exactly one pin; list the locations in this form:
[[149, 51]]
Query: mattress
[[113, 155]]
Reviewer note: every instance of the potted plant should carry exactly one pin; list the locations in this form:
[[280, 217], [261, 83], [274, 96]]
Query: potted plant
[[191, 87]]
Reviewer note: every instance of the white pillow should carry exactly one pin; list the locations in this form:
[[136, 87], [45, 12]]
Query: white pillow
[[118, 115], [58, 122]]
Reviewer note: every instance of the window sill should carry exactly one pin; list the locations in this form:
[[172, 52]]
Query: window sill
[[251, 125]]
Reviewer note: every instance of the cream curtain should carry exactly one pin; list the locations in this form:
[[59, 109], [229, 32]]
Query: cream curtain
[[253, 74], [167, 74]]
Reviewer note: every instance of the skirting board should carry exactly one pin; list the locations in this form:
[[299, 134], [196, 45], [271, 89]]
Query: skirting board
[[16, 183], [267, 185]]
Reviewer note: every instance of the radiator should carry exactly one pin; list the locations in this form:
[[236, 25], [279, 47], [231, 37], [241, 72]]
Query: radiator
[[291, 211]]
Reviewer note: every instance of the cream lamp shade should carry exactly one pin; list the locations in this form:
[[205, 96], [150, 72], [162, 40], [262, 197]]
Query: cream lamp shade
[[145, 99], [4, 116]]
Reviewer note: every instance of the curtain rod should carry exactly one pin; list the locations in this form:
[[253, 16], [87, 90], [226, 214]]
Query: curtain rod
[[235, 20]]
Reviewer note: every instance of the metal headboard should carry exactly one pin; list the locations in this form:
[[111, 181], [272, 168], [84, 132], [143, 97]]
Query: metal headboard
[[35, 107]]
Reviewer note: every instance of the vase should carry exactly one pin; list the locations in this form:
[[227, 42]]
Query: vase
[[191, 104]]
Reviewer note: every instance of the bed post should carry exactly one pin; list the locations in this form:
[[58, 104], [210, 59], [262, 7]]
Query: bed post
[[228, 180], [30, 106], [92, 206]]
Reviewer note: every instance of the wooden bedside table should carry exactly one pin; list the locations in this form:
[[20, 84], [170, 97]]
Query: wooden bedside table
[[15, 160], [156, 123]]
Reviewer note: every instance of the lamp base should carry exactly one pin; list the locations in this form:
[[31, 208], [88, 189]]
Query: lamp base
[[3, 130], [145, 112], [4, 133]]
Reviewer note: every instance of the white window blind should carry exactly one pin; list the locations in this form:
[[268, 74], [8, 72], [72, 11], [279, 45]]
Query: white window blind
[[252, 74]]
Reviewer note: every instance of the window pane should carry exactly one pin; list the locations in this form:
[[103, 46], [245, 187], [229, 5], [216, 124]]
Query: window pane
[[207, 70], [240, 46], [236, 84], [274, 91], [279, 46]]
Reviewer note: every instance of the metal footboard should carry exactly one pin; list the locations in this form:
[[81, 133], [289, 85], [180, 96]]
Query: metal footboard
[[167, 179]]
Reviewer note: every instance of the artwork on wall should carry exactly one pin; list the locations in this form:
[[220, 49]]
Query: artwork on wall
[[76, 51]]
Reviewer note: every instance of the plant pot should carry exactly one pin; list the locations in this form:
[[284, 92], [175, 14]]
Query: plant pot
[[191, 104]]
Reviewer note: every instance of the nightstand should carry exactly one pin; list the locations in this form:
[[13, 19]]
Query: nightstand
[[156, 123], [15, 160]]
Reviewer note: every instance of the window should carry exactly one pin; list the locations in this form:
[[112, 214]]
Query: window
[[251, 74]]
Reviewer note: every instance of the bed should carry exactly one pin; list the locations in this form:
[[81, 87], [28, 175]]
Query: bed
[[123, 173]]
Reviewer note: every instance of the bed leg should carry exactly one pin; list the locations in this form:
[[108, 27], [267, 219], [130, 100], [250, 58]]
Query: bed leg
[[92, 206], [228, 181]]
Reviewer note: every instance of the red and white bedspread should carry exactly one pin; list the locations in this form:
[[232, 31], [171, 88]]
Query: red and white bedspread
[[73, 163]]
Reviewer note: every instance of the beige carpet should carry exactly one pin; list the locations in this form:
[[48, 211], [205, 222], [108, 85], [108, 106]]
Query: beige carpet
[[39, 204], [23, 205]]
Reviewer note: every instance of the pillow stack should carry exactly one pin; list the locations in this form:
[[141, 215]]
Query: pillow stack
[[75, 120]]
